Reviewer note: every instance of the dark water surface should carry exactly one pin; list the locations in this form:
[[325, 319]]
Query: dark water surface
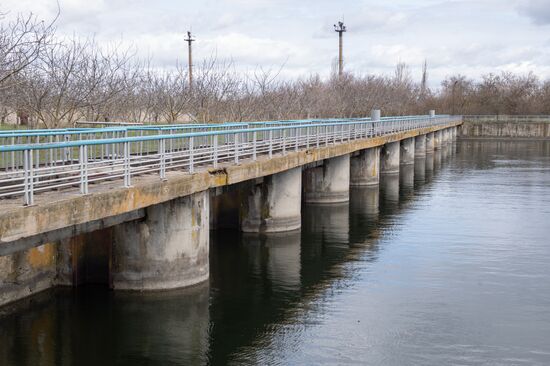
[[447, 264]]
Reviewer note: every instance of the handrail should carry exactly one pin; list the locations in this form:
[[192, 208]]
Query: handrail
[[29, 168]]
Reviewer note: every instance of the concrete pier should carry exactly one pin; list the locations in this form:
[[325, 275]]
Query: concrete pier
[[389, 158], [166, 250], [430, 147], [365, 168], [420, 146], [438, 139], [446, 136], [328, 183], [407, 151], [275, 204]]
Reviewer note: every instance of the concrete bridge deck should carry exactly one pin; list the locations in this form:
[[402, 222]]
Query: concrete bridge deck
[[145, 211]]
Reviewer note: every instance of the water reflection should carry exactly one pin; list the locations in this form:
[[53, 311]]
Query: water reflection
[[406, 182], [389, 192], [420, 170]]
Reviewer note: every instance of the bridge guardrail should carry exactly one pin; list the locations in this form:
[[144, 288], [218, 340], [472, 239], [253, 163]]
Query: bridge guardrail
[[80, 163]]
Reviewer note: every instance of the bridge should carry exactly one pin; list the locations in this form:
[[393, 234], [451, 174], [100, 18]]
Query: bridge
[[131, 206]]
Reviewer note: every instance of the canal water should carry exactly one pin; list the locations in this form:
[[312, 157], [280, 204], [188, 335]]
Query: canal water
[[449, 263]]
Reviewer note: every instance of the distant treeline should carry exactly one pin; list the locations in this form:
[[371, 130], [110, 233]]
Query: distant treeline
[[48, 82]]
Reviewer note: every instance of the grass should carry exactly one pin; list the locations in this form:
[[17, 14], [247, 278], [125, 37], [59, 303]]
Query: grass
[[4, 127]]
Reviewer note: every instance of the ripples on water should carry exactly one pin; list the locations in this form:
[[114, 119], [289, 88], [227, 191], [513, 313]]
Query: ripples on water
[[446, 264]]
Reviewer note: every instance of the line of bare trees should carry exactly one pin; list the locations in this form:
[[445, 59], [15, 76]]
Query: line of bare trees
[[52, 83]]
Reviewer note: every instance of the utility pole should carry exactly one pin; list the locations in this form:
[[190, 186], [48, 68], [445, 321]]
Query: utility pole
[[189, 39], [340, 28]]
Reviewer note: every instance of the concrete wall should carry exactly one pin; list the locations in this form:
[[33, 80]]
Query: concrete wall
[[27, 272], [505, 127]]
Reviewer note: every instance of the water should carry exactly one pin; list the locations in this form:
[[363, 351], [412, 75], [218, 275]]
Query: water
[[447, 264]]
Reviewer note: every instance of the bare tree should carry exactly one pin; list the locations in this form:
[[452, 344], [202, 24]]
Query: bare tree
[[21, 43]]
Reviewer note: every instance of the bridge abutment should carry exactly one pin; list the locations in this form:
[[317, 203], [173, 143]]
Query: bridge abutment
[[365, 168], [275, 204], [166, 250], [328, 183], [389, 158]]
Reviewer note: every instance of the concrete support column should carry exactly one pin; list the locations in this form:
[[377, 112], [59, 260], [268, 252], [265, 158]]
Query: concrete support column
[[275, 204], [389, 158], [328, 183], [168, 249], [445, 134], [420, 146], [407, 151], [430, 142], [365, 168], [437, 139]]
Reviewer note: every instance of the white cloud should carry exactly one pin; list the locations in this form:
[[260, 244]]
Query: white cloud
[[455, 36], [537, 10]]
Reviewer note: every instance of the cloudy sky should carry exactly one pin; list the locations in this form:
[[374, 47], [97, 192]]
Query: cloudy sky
[[455, 36]]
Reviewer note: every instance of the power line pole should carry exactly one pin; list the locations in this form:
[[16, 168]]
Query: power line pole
[[189, 39], [340, 28]]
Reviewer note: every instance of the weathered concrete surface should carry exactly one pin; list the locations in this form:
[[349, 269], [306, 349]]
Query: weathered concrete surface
[[430, 147], [438, 139], [389, 158], [69, 232], [407, 151], [166, 250], [420, 146], [365, 168], [27, 272], [225, 205], [506, 127], [445, 137], [328, 183], [274, 205], [85, 258], [58, 210]]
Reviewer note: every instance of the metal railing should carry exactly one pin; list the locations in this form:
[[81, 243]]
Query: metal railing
[[40, 167], [508, 118]]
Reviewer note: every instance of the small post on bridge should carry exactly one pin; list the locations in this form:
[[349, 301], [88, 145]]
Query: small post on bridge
[[190, 39]]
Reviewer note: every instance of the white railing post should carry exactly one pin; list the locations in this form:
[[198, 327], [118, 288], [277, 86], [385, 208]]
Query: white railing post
[[191, 157], [254, 139], [215, 151], [270, 143], [236, 139], [29, 178], [162, 158], [83, 160], [127, 179]]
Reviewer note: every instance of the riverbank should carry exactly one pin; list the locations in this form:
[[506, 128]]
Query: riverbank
[[504, 126]]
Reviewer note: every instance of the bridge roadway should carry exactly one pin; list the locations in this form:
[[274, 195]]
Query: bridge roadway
[[133, 206]]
